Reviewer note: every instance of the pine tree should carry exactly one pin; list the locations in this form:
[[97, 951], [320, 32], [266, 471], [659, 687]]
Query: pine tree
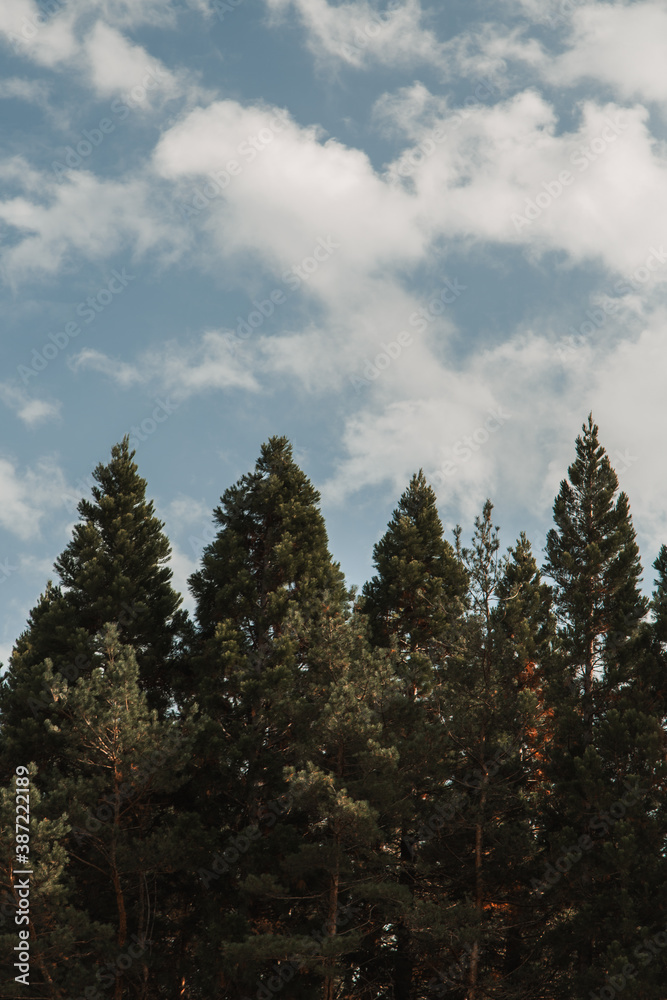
[[480, 858], [601, 834], [113, 570], [123, 766], [417, 593], [256, 680], [414, 603], [106, 836], [340, 785], [62, 938]]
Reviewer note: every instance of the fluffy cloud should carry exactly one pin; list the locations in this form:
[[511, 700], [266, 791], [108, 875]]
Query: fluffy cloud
[[85, 37], [500, 174], [30, 411], [83, 214], [27, 496], [116, 66], [494, 173], [622, 45], [182, 369], [33, 91], [503, 422], [121, 372], [355, 33]]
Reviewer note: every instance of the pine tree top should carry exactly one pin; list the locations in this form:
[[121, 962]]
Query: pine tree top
[[592, 553], [272, 538], [419, 579]]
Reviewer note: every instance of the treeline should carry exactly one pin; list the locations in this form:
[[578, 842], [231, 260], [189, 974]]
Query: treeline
[[450, 784]]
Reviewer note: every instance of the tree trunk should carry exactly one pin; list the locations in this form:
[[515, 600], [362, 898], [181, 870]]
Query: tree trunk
[[334, 887], [473, 976], [121, 937]]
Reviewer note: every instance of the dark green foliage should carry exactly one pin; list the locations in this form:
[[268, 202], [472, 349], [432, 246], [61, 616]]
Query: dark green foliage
[[606, 761], [454, 787], [419, 587], [113, 570]]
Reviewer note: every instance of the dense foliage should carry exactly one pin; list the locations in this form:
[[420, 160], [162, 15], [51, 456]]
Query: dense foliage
[[451, 784]]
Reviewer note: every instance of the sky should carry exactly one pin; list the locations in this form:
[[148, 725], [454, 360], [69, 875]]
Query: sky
[[404, 234]]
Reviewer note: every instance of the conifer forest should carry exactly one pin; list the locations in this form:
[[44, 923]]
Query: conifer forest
[[450, 783]]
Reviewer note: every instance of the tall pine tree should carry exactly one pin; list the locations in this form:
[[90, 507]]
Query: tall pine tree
[[113, 570], [600, 831], [414, 604], [264, 594]]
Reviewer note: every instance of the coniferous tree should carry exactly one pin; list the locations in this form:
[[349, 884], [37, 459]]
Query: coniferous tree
[[496, 726], [436, 792], [124, 765], [63, 939], [258, 682], [414, 603], [113, 570], [101, 891], [600, 828]]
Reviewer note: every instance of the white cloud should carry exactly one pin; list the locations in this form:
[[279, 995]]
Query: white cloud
[[288, 193], [187, 516], [26, 497], [623, 45], [184, 510], [118, 371], [356, 33], [30, 411], [33, 91], [543, 388], [492, 174], [5, 653], [183, 566], [84, 214], [182, 369], [47, 41], [83, 36], [116, 66]]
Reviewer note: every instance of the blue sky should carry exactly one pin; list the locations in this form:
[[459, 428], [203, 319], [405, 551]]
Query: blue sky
[[404, 234]]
